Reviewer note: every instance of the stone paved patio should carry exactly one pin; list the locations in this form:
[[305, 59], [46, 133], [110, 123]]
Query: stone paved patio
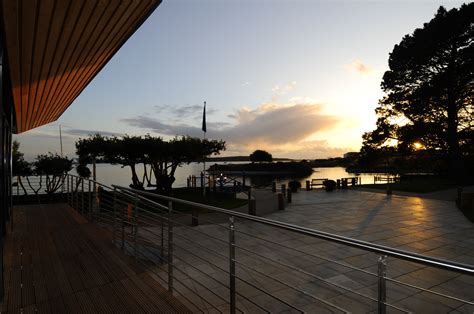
[[267, 257]]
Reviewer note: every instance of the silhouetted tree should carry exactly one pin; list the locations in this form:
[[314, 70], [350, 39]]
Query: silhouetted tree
[[160, 158], [128, 151], [165, 157], [429, 88], [54, 168], [260, 156], [20, 167], [90, 150]]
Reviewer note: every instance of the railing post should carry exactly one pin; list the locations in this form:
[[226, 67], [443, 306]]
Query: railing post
[[381, 284], [232, 264], [82, 197], [135, 233], [170, 247], [77, 195], [122, 216], [67, 188], [89, 199], [114, 226], [162, 249]]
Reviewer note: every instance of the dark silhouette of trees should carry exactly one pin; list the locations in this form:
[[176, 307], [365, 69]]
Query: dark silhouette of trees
[[89, 151], [429, 90], [159, 158], [20, 167], [54, 168], [261, 156]]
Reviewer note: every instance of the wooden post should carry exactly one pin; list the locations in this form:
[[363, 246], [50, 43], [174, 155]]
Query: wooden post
[[281, 201], [194, 218], [338, 183], [288, 196], [308, 185], [283, 189], [252, 207], [459, 198]]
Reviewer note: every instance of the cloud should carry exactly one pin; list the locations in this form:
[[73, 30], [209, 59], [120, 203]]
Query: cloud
[[360, 67], [281, 128], [277, 124], [187, 111], [82, 132], [280, 90]]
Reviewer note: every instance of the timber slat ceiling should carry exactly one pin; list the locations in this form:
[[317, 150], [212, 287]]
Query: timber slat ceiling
[[55, 48]]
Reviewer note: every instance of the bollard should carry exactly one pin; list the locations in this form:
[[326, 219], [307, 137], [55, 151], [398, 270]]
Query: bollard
[[459, 198], [281, 201], [389, 189], [253, 207], [194, 218], [188, 182], [338, 183], [202, 180], [353, 181], [283, 189], [288, 196], [235, 189], [274, 187], [345, 184], [308, 185]]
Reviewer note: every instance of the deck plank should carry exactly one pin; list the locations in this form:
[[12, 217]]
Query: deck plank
[[57, 262]]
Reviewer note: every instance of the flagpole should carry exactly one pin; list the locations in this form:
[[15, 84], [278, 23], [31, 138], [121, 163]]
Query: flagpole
[[61, 140], [204, 129]]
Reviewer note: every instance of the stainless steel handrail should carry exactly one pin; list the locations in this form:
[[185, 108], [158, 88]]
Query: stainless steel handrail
[[160, 215], [376, 248]]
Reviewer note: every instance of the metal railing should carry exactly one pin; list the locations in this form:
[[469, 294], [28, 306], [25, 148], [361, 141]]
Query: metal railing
[[254, 264]]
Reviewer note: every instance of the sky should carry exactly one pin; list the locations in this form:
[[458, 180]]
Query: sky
[[298, 78]]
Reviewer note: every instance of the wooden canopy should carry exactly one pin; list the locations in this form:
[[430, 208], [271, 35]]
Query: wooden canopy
[[54, 48]]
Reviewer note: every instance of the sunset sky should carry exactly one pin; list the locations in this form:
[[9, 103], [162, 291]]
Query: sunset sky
[[300, 79]]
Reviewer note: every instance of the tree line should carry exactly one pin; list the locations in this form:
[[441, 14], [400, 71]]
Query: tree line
[[159, 158], [428, 103]]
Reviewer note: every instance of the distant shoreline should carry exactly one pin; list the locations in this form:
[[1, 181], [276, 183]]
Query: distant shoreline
[[240, 158]]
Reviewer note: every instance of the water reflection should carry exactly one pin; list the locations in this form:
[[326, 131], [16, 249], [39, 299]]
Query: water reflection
[[114, 174]]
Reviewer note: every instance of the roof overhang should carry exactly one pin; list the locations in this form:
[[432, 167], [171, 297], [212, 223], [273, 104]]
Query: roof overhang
[[54, 48]]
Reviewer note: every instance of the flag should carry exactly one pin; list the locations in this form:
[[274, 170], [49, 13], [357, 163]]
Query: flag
[[204, 119]]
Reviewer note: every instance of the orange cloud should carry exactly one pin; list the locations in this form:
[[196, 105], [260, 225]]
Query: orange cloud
[[360, 67]]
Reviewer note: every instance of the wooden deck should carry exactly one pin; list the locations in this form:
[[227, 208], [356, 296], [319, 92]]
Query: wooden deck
[[56, 261]]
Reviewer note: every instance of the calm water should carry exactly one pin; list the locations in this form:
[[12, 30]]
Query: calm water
[[114, 174]]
